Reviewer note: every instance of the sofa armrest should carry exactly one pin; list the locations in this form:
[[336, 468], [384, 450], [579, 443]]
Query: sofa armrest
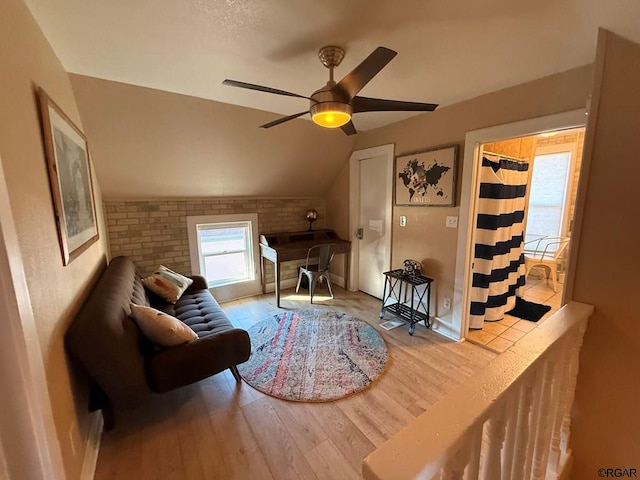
[[199, 283], [190, 362]]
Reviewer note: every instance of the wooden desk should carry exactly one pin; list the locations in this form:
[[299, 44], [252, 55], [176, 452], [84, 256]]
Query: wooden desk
[[286, 246]]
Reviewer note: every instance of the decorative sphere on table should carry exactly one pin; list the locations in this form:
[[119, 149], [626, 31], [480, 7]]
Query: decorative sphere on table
[[411, 267], [312, 216]]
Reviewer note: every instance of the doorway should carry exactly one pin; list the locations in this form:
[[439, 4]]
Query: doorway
[[551, 161], [26, 419], [472, 156], [370, 216]]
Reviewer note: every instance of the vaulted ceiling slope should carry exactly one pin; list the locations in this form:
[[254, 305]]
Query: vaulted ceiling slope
[[150, 143], [448, 51]]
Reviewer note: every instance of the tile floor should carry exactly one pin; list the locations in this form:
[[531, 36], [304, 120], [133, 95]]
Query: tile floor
[[499, 336]]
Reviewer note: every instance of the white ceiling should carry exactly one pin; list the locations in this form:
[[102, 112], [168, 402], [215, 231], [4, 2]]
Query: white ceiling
[[448, 51]]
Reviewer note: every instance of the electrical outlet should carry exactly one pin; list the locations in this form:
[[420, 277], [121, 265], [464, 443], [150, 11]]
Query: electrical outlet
[[452, 222], [403, 220], [447, 303]]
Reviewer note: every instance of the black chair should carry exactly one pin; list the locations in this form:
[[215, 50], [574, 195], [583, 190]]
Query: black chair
[[319, 271]]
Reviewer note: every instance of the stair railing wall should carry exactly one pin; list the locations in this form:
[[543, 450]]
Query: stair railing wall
[[512, 421]]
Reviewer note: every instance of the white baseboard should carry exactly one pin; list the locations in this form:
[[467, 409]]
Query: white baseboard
[[443, 328], [337, 280], [93, 447]]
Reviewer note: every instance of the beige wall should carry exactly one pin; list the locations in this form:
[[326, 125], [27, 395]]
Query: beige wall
[[154, 144], [338, 212], [56, 291], [606, 422], [426, 238]]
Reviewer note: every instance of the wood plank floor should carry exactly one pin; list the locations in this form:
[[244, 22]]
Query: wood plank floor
[[220, 429]]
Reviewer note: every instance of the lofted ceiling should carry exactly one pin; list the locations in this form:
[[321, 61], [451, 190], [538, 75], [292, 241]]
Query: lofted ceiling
[[447, 51]]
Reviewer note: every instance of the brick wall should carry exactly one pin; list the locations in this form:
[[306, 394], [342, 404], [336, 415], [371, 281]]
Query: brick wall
[[521, 147], [154, 232]]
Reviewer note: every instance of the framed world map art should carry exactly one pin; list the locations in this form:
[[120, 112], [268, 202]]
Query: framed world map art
[[427, 178]]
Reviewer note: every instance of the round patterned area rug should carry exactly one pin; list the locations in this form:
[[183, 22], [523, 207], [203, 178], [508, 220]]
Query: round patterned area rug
[[313, 355]]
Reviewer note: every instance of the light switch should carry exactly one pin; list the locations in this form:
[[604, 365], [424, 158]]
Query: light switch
[[403, 220], [452, 222]]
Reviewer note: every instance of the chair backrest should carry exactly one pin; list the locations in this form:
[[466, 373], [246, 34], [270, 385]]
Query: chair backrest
[[324, 253], [551, 248]]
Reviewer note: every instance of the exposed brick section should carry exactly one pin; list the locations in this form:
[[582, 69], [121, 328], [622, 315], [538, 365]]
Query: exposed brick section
[[154, 232]]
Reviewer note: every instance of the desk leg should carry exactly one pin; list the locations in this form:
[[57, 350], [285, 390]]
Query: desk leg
[[277, 281]]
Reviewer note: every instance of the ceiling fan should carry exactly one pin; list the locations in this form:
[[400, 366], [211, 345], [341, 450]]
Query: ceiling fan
[[333, 105]]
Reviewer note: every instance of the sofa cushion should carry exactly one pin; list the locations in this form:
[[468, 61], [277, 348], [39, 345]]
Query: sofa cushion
[[200, 311], [167, 284], [219, 343], [161, 328]]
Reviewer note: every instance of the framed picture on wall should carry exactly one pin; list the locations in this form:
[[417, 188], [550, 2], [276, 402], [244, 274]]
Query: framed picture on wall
[[427, 178], [69, 171]]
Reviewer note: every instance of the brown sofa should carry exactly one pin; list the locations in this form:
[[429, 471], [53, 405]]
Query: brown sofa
[[125, 368]]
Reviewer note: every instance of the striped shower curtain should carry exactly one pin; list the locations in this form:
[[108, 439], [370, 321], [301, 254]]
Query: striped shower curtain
[[498, 270]]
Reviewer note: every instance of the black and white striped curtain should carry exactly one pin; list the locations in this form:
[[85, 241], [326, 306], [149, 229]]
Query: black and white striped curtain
[[498, 270]]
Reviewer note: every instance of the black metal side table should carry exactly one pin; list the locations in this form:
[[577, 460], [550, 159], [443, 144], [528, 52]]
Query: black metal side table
[[397, 287]]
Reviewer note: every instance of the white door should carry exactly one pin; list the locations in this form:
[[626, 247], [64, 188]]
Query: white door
[[373, 245], [370, 197]]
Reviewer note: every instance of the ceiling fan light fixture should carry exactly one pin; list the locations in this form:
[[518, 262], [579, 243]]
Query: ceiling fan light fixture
[[331, 114], [332, 105]]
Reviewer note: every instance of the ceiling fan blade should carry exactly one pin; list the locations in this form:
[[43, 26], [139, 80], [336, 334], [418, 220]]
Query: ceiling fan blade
[[366, 104], [260, 88], [283, 119], [349, 128], [355, 80]]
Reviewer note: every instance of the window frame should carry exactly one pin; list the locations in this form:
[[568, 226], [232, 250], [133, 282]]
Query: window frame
[[569, 186], [232, 289], [246, 251]]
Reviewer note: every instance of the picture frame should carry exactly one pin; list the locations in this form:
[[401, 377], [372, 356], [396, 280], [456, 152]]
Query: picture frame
[[67, 156], [426, 178]]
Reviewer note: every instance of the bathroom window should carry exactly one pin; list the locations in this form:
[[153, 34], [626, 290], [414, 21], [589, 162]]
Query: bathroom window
[[548, 198]]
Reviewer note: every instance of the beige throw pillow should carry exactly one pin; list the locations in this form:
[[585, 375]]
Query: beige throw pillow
[[161, 328], [167, 284]]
